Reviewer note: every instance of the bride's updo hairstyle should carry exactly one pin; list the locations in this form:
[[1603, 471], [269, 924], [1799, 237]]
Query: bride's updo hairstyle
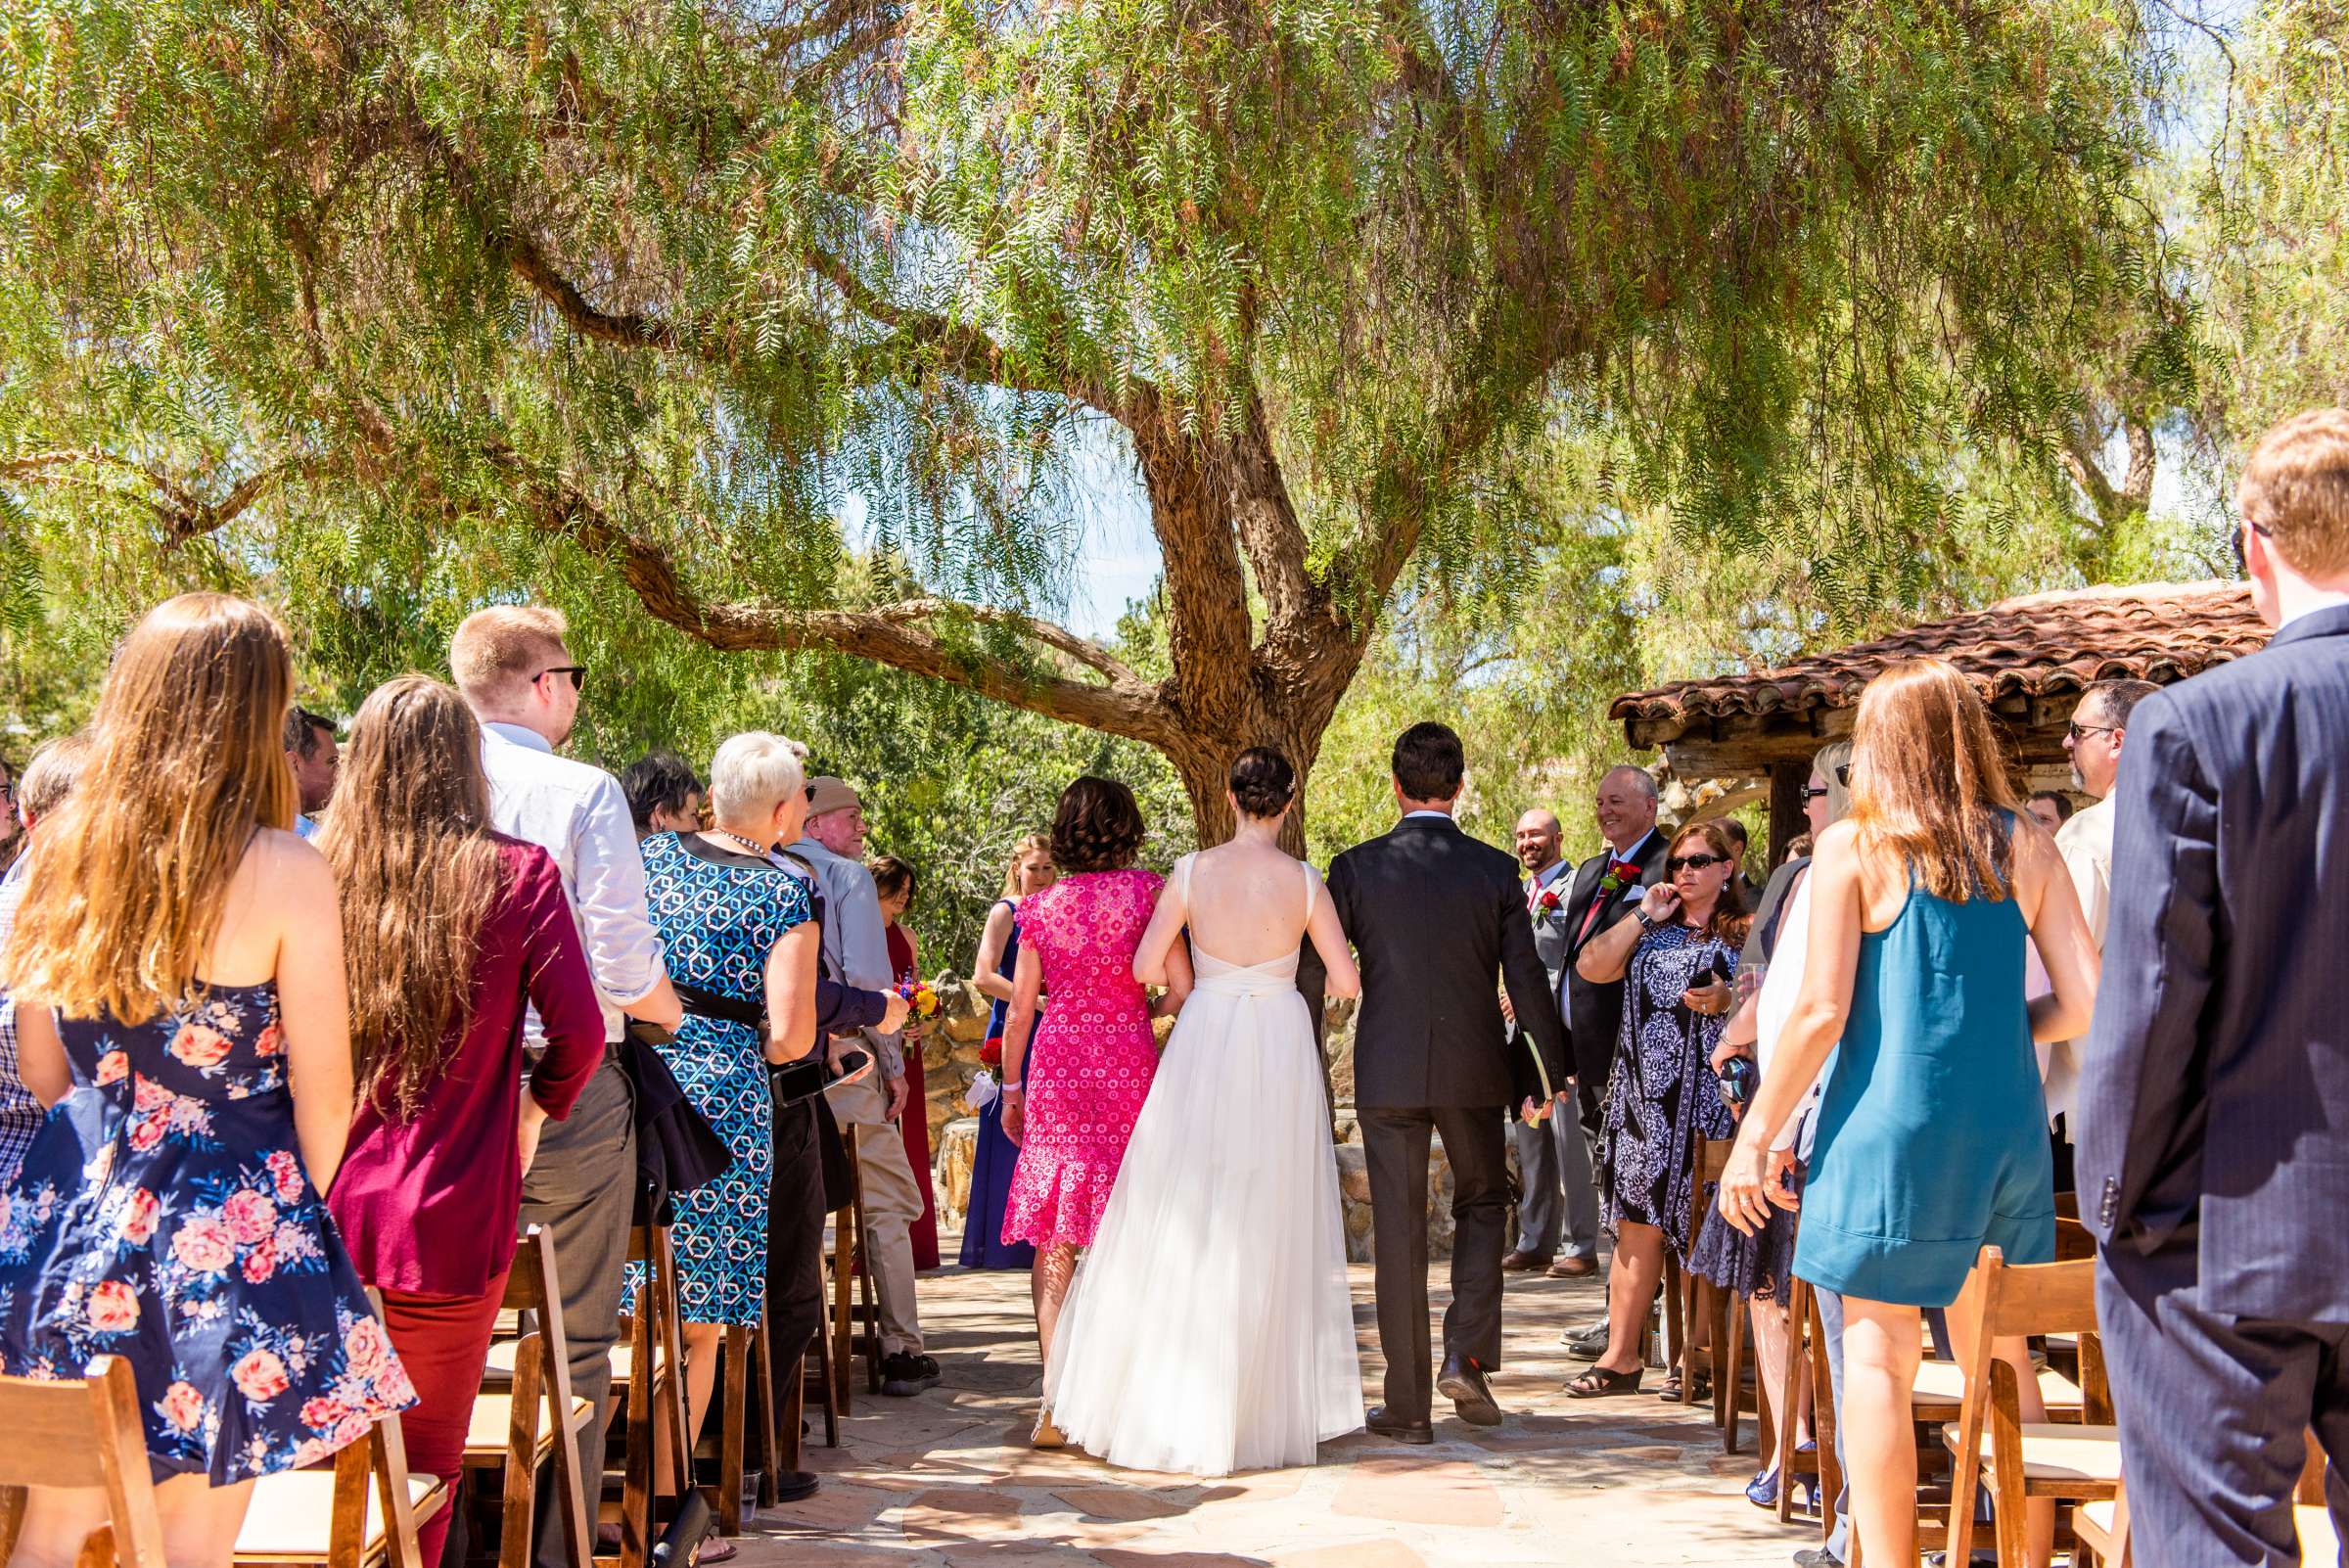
[[1262, 782], [1097, 828]]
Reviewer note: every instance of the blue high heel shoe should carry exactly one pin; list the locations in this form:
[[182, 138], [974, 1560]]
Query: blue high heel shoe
[[1763, 1489]]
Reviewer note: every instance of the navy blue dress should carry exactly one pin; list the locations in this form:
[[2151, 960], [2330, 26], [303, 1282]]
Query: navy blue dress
[[718, 921], [163, 1215], [982, 1243]]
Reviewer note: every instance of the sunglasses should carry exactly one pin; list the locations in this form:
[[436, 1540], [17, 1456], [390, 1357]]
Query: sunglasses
[[577, 672], [1814, 792], [2235, 542], [2079, 731], [1671, 866]]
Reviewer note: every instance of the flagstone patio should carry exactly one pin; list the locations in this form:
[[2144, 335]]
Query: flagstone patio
[[946, 1480]]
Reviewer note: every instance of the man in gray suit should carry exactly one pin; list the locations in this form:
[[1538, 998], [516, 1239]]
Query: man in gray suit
[[1557, 1214], [2214, 1097]]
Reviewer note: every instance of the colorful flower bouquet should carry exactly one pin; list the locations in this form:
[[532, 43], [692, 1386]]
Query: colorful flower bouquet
[[921, 999]]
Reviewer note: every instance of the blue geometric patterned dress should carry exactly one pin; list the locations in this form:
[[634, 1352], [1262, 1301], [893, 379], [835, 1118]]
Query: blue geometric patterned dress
[[163, 1215], [719, 915]]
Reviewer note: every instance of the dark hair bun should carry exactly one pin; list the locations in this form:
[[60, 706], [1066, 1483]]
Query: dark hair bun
[[1263, 781], [1098, 826]]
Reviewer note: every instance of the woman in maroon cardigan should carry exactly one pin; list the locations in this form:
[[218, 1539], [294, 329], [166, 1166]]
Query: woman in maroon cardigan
[[451, 929]]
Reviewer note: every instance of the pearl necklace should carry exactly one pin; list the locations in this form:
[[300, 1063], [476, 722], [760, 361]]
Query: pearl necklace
[[752, 846]]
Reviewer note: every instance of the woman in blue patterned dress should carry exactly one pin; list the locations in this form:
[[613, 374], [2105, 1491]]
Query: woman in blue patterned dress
[[742, 950], [178, 967], [1676, 961]]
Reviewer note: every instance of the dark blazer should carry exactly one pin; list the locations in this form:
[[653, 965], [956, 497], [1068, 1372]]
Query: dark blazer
[[1593, 1013], [1435, 917], [2214, 1097]]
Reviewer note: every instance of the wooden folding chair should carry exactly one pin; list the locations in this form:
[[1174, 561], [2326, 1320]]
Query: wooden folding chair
[[648, 1367], [83, 1432], [1699, 1299], [2074, 1463], [338, 1520], [1794, 1464], [2101, 1530], [520, 1417], [851, 1285], [742, 1418]]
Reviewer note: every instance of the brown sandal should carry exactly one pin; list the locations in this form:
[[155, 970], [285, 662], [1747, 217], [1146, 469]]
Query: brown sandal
[[1598, 1382]]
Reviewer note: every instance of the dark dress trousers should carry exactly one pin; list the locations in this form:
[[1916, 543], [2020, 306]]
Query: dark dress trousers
[[2214, 1100], [1594, 1012], [1436, 917]]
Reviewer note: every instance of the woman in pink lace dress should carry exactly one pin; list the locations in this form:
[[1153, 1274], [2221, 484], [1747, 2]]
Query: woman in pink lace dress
[[1094, 1055]]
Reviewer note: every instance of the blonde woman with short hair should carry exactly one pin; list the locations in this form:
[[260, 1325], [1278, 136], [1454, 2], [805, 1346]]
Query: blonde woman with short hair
[[178, 965]]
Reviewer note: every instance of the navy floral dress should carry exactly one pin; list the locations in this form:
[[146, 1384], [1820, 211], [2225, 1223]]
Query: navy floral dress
[[163, 1215], [719, 915], [1662, 1095]]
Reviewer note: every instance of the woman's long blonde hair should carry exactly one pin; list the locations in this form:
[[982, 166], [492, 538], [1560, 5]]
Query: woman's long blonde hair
[[186, 760], [416, 871], [1026, 846], [1929, 787]]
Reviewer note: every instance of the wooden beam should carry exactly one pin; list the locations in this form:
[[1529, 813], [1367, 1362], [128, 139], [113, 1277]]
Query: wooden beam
[[1787, 781]]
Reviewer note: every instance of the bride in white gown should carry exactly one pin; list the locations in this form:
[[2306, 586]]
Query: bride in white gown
[[1210, 1328]]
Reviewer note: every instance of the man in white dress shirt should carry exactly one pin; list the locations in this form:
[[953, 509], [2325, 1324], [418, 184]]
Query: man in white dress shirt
[[856, 940], [2099, 727], [515, 670]]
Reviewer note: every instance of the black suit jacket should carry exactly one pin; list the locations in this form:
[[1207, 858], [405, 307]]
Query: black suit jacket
[[1434, 916], [1593, 1013], [2214, 1097]]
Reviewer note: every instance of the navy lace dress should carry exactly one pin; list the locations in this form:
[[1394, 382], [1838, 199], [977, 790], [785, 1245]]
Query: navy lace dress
[[992, 1163], [163, 1215], [1661, 1096]]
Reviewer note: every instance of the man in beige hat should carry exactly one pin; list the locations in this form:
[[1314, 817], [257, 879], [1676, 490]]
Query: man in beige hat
[[856, 949]]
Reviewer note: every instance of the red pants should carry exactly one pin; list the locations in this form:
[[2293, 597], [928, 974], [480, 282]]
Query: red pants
[[442, 1342]]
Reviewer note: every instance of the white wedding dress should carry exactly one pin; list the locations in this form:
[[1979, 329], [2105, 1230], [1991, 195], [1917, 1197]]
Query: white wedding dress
[[1210, 1327]]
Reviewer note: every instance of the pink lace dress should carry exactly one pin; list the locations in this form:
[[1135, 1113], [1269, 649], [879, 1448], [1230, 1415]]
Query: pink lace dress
[[1090, 1066]]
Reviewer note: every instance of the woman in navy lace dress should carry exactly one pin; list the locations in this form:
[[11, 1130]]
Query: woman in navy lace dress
[[178, 967], [1032, 871]]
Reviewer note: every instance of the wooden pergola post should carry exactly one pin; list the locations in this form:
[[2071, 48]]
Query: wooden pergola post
[[1787, 781]]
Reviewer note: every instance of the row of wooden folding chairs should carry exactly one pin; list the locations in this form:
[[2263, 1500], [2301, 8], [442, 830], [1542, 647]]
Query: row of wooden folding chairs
[[86, 1431]]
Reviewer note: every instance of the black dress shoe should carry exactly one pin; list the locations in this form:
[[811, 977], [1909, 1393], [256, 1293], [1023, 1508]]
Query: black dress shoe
[[1463, 1382], [1587, 1344], [1397, 1430]]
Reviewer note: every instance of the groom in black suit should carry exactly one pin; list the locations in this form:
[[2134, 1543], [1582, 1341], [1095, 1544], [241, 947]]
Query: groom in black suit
[[1433, 916]]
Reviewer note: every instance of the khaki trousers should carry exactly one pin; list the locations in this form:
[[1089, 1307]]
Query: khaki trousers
[[891, 1203]]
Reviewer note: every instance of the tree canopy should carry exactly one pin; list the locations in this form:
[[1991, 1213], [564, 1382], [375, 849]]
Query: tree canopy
[[395, 308]]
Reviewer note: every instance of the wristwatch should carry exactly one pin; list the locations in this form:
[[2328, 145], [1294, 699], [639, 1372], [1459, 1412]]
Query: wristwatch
[[1645, 924]]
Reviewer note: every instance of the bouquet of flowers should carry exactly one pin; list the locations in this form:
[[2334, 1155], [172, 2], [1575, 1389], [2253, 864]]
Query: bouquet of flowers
[[921, 1000], [990, 1054]]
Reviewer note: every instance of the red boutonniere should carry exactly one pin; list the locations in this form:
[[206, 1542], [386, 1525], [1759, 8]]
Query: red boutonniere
[[1621, 874], [1549, 902]]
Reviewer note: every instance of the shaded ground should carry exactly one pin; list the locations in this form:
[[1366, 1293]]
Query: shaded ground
[[946, 1480]]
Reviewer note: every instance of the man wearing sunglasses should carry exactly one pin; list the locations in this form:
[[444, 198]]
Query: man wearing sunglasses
[[2214, 1099], [2100, 725]]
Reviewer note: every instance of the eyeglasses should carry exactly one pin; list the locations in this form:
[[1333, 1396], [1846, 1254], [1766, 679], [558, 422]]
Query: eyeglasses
[[577, 672], [1671, 866], [2235, 542], [2079, 731], [1814, 792], [1843, 776]]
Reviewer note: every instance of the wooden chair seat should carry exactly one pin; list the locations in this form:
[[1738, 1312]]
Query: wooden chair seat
[[493, 1423], [2087, 1457], [292, 1518], [624, 1363], [2093, 1523], [2320, 1542], [1941, 1387]]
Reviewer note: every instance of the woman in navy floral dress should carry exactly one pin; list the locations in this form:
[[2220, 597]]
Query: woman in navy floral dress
[[178, 965], [738, 940]]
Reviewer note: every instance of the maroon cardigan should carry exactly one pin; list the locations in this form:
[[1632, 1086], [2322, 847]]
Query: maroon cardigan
[[430, 1205]]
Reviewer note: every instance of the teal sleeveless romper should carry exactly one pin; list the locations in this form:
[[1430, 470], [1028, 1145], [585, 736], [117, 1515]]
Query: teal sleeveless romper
[[1933, 1129]]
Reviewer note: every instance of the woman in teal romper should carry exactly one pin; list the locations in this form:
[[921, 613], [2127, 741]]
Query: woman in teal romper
[[1932, 1136]]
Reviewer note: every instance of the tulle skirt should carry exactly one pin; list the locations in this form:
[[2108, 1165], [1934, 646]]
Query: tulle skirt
[[1210, 1327]]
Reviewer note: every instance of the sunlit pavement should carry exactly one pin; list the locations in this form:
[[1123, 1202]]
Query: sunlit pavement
[[946, 1478]]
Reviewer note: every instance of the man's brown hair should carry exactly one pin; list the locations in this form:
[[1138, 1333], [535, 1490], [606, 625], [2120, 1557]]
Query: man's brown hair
[[51, 775], [500, 648], [2295, 491]]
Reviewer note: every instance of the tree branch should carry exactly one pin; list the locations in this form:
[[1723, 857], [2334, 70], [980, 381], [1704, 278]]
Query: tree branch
[[183, 514], [531, 265]]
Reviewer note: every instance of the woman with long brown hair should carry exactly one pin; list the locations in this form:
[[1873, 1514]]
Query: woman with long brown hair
[[177, 963], [453, 929], [1932, 1130], [1677, 959]]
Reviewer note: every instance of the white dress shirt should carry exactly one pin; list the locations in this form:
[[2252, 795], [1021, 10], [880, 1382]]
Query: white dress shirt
[[2086, 844], [855, 937], [578, 815]]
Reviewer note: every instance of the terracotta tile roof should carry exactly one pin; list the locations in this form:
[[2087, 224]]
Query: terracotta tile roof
[[2043, 644]]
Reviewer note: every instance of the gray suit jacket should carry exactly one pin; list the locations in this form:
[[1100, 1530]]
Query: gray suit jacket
[[2214, 1097]]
